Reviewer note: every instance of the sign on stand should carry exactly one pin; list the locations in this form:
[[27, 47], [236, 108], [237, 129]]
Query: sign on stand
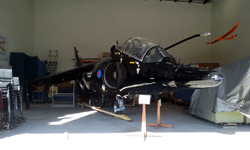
[[144, 99]]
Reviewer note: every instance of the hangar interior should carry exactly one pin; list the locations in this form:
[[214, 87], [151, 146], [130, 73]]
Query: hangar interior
[[35, 34]]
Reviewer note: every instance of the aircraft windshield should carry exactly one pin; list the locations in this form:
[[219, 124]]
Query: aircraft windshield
[[155, 54], [137, 46], [166, 54]]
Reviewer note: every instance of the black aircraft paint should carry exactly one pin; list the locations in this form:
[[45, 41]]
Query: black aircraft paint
[[137, 66]]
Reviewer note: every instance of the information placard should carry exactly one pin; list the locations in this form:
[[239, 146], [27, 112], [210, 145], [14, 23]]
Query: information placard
[[144, 99]]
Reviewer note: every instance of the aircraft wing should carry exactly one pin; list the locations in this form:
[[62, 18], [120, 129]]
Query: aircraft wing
[[68, 75], [225, 35], [212, 42], [232, 30]]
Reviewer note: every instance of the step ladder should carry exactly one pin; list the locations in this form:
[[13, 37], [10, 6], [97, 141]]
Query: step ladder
[[52, 62]]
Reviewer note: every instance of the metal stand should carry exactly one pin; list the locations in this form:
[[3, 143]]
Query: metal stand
[[63, 103], [52, 61], [159, 124]]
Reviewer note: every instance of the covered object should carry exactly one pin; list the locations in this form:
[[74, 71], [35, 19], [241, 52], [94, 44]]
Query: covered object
[[27, 68], [232, 95]]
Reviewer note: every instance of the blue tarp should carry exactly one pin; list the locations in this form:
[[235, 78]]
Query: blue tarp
[[184, 94], [27, 68]]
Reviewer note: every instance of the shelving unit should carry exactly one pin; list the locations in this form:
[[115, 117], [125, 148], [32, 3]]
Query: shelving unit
[[63, 99], [11, 114], [52, 62]]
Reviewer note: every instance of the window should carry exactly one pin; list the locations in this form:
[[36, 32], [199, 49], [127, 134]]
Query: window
[[153, 56], [136, 47]]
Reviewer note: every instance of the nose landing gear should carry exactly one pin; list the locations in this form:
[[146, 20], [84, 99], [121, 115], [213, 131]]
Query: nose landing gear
[[119, 105]]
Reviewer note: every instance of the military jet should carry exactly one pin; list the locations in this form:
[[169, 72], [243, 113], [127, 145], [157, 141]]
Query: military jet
[[135, 66]]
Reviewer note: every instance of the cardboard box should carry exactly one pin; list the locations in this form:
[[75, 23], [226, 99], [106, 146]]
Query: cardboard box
[[40, 88], [6, 73], [16, 83], [64, 84]]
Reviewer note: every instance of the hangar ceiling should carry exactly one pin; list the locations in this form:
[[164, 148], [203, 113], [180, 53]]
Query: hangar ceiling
[[192, 1]]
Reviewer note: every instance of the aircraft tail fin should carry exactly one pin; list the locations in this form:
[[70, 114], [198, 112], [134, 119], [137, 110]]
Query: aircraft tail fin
[[78, 63]]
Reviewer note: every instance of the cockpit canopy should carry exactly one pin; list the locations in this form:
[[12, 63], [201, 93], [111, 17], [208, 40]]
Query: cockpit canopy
[[143, 49]]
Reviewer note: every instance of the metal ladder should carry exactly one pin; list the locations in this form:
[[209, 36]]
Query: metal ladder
[[52, 62]]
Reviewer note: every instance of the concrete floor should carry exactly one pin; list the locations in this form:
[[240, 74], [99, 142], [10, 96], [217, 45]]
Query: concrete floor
[[77, 127]]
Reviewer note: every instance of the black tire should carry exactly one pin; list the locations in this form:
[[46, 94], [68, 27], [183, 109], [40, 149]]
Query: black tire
[[115, 75]]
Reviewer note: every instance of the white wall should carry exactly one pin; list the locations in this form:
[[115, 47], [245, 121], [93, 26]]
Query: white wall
[[17, 25], [225, 15], [94, 26]]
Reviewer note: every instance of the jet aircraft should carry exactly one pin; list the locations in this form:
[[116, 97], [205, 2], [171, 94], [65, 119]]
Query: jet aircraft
[[135, 66]]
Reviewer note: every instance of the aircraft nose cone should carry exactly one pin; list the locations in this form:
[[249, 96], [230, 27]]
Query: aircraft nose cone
[[212, 80], [215, 77]]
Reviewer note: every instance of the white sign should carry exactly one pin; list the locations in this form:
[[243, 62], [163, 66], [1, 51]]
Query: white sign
[[160, 102], [144, 99]]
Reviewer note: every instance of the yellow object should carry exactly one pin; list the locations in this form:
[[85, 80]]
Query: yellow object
[[40, 88], [225, 117], [246, 120], [132, 62], [106, 112], [3, 42], [55, 90]]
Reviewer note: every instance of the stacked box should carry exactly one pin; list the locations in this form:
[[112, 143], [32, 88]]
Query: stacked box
[[6, 73]]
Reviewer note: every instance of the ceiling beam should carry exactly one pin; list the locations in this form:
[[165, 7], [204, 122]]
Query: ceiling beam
[[205, 1], [190, 1]]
